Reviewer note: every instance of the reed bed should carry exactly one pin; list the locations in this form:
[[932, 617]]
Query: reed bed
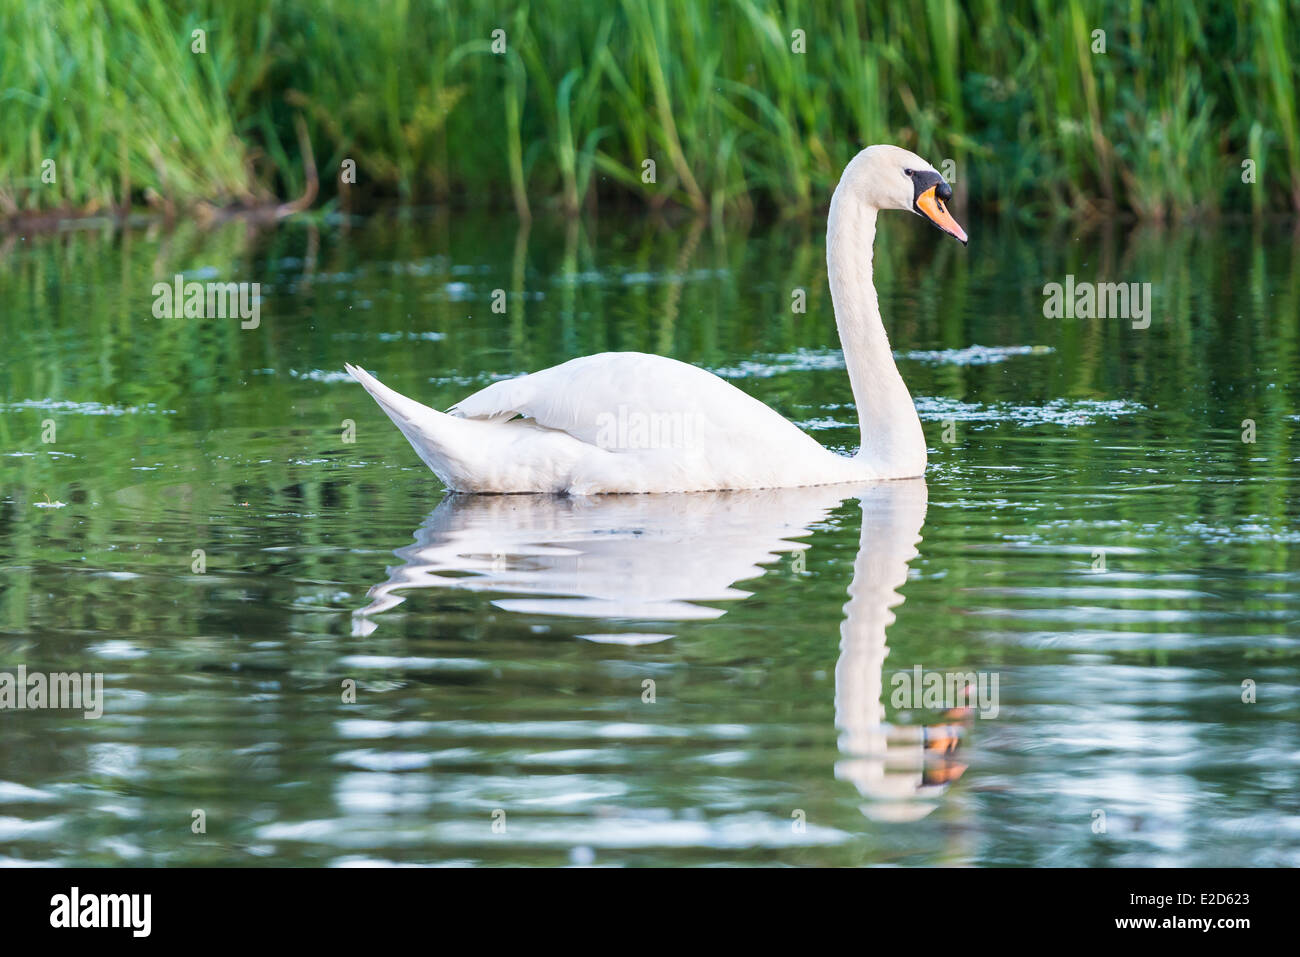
[[565, 107]]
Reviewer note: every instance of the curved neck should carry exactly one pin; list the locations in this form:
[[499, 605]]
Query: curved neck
[[892, 441], [878, 759]]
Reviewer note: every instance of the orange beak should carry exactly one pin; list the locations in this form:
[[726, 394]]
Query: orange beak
[[932, 207]]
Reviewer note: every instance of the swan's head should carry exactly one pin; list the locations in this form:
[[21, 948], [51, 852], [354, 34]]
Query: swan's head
[[890, 177]]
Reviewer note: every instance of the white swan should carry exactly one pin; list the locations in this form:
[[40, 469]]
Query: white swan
[[631, 422]]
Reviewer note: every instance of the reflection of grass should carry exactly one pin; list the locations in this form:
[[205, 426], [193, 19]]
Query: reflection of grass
[[586, 92]]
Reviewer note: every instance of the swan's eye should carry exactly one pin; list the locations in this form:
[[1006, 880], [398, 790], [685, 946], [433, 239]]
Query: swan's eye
[[909, 172]]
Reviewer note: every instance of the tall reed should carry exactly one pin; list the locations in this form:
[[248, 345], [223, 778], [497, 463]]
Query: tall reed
[[1041, 106]]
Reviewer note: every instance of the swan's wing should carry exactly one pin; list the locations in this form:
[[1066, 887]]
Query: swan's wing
[[588, 397]]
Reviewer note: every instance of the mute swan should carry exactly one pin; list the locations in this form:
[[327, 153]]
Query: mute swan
[[632, 422]]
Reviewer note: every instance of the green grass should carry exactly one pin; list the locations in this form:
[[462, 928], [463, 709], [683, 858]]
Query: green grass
[[1011, 91]]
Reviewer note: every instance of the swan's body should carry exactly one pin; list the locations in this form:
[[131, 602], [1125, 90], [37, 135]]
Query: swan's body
[[613, 422], [632, 422]]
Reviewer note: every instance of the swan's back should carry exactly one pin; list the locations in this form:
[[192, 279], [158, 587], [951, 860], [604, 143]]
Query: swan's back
[[628, 400]]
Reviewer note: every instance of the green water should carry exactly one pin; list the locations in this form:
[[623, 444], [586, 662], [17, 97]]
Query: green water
[[1093, 531]]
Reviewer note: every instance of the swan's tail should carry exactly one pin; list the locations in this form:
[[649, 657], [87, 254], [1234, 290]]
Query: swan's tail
[[435, 436]]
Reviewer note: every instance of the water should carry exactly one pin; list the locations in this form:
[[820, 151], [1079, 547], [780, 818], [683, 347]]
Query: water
[[674, 680]]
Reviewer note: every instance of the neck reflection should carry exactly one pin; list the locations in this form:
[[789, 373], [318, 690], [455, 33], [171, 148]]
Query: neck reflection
[[667, 558]]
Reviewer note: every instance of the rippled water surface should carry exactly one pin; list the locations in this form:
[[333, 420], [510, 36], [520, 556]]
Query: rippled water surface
[[704, 679]]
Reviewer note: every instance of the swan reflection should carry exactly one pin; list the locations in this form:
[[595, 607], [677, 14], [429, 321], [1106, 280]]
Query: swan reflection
[[666, 558]]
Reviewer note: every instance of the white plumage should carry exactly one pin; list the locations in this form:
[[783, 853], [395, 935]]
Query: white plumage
[[632, 422]]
